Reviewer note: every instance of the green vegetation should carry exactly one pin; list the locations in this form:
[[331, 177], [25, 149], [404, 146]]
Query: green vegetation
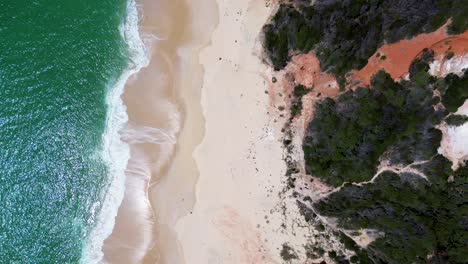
[[288, 253], [419, 217], [422, 215], [458, 11], [456, 120], [296, 101], [361, 255], [344, 34], [424, 218], [449, 55], [455, 90], [349, 134]]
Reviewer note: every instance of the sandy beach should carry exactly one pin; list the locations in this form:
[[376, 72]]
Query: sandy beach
[[155, 113], [181, 103], [239, 159], [161, 100]]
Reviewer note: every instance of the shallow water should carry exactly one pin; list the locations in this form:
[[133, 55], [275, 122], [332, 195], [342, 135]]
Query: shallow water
[[58, 62]]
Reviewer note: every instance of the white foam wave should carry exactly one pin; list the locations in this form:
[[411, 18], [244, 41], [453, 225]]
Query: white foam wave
[[115, 152], [136, 207], [147, 135]]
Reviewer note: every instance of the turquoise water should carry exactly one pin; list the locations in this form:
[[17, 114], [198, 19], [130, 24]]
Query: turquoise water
[[58, 60]]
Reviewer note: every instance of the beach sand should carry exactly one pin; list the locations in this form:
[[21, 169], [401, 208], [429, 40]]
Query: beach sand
[[206, 143], [163, 107], [155, 113], [173, 195], [240, 157]]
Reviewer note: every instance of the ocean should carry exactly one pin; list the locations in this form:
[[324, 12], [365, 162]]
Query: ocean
[[63, 66]]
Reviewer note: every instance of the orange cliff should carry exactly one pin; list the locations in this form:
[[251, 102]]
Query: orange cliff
[[304, 69], [400, 55]]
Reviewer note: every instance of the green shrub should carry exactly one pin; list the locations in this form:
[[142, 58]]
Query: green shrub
[[345, 34], [456, 120]]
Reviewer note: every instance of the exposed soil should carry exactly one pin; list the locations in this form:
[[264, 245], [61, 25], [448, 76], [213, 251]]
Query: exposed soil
[[396, 58]]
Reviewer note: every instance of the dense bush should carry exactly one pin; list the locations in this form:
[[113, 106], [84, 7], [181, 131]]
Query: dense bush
[[455, 90], [456, 120], [296, 100], [423, 219], [344, 34], [419, 217], [350, 135]]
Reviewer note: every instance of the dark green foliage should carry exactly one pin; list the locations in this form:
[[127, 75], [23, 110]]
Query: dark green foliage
[[455, 90], [344, 34], [288, 253], [449, 55], [423, 220], [308, 214], [348, 135], [456, 120], [332, 146], [288, 32], [348, 242], [300, 91], [421, 64], [296, 101], [418, 216], [320, 227], [458, 11], [277, 46], [418, 71]]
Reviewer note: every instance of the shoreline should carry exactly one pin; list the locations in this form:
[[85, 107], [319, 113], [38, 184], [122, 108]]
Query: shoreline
[[115, 152], [159, 100]]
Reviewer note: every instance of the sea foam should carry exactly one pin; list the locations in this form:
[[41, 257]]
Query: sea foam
[[115, 152]]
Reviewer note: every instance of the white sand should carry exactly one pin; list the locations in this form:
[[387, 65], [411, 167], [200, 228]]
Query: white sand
[[454, 144], [442, 68], [172, 194], [239, 159]]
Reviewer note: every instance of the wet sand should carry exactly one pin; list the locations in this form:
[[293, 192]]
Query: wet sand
[[173, 195], [159, 100]]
